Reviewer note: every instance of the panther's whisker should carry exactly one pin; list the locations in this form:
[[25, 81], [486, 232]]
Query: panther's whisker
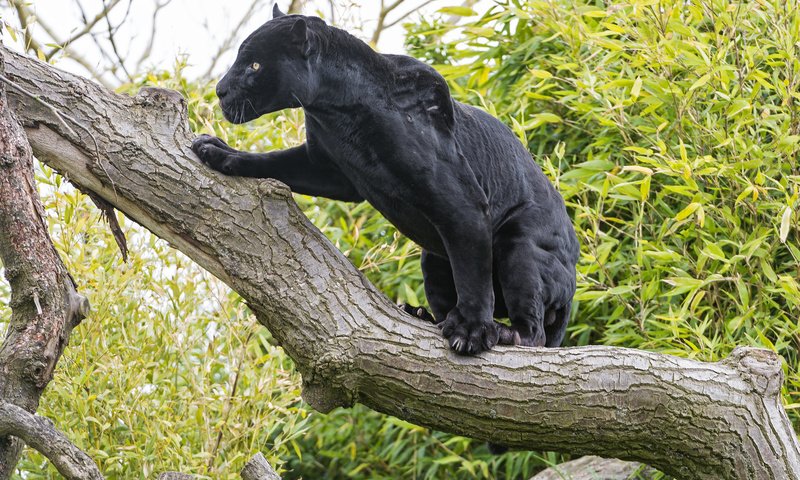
[[298, 100], [252, 106]]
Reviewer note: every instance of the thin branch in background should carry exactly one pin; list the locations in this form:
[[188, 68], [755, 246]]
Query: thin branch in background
[[23, 15], [228, 42], [149, 48], [385, 10], [111, 39], [32, 45], [407, 14], [111, 67], [228, 403], [87, 26]]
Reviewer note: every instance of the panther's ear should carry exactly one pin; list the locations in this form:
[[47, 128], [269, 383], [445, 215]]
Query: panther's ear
[[301, 36], [276, 12]]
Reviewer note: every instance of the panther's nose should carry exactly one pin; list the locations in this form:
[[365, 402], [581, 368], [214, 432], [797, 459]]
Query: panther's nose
[[222, 91]]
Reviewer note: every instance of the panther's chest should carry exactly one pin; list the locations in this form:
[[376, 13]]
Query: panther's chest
[[389, 176]]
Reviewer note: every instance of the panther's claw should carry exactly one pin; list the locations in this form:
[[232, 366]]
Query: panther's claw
[[469, 336]]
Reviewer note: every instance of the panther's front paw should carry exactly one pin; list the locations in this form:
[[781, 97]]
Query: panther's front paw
[[469, 336], [216, 154]]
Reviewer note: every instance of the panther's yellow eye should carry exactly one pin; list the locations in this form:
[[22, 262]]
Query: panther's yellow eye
[[255, 66]]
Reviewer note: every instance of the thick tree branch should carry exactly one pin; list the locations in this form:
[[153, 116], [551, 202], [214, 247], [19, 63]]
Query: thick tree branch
[[259, 469], [39, 433], [687, 418], [596, 468], [256, 469], [45, 305]]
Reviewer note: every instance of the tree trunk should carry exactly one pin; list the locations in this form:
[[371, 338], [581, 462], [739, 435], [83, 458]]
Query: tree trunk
[[687, 418], [45, 305]]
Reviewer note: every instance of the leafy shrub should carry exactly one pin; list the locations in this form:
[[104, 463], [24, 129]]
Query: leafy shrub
[[672, 129]]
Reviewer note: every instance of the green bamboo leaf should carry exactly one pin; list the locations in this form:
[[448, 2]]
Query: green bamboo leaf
[[686, 212], [636, 88], [700, 82], [543, 74], [785, 224], [458, 11]]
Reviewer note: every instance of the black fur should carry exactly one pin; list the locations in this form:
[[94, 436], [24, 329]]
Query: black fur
[[496, 238]]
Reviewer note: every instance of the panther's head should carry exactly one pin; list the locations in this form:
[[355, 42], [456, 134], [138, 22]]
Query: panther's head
[[272, 71]]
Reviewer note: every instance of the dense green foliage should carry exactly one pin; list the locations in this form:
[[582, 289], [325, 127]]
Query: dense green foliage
[[670, 127]]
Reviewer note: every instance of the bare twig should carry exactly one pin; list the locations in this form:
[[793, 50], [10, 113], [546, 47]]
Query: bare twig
[[149, 48], [228, 42], [60, 116], [33, 45], [83, 31], [112, 40], [407, 14]]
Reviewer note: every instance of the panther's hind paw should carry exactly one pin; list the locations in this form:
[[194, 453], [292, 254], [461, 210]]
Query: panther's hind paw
[[507, 335], [418, 312]]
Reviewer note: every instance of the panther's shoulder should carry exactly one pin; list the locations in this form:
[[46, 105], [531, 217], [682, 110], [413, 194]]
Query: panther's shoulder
[[419, 89]]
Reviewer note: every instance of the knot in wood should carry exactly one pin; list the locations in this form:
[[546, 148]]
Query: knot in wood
[[161, 98], [37, 372], [760, 367], [12, 272], [325, 383], [273, 188], [79, 307]]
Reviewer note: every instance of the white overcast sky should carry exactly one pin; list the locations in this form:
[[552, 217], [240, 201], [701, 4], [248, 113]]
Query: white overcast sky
[[195, 28]]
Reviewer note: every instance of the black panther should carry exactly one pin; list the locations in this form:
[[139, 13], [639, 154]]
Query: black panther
[[496, 238]]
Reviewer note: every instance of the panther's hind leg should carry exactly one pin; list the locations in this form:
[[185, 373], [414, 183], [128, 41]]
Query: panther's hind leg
[[419, 312], [439, 289], [518, 270], [555, 330], [441, 293]]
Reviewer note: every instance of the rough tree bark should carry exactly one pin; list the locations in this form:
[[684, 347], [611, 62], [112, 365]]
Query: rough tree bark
[[596, 468], [45, 304], [687, 418], [259, 469], [41, 434]]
